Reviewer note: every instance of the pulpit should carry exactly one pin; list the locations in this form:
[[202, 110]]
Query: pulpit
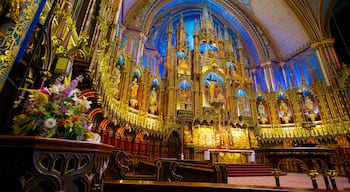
[[30, 163]]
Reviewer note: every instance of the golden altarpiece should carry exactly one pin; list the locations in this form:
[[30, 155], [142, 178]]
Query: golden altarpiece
[[199, 89]]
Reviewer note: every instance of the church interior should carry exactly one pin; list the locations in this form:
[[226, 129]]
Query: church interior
[[186, 86]]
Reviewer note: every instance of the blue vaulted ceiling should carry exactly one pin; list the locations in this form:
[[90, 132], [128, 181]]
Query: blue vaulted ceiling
[[191, 10]]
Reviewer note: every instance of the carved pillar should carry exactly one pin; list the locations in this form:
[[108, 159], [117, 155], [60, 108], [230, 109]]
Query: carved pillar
[[89, 13], [272, 102], [160, 101], [170, 63], [146, 83], [196, 90], [240, 64], [117, 4]]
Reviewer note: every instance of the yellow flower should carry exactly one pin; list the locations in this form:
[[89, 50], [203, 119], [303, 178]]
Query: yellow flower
[[68, 123], [38, 95], [21, 119]]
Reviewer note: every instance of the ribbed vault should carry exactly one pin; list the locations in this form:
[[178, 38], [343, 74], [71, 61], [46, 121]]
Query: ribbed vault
[[269, 30]]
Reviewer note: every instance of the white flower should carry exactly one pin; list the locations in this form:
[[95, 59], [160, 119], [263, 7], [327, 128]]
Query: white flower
[[50, 122], [86, 103], [90, 127], [76, 100], [69, 113], [56, 89], [74, 92]]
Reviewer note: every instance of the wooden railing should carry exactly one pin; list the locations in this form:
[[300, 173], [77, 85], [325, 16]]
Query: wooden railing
[[31, 163]]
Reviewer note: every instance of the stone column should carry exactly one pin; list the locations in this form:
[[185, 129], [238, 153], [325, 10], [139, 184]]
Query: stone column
[[265, 65]]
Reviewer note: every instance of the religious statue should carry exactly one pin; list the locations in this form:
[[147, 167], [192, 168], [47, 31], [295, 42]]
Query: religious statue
[[261, 109], [153, 101], [284, 111], [212, 85], [242, 105], [262, 112], [182, 59], [309, 105], [187, 135], [133, 92], [283, 108]]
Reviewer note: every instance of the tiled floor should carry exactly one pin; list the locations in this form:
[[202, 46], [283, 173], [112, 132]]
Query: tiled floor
[[295, 180]]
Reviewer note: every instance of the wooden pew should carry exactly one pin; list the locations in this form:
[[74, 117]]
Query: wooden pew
[[202, 171], [124, 166], [127, 167]]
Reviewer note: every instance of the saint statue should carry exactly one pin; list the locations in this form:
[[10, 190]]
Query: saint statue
[[283, 108], [212, 85], [187, 135], [153, 101], [309, 104], [133, 92], [261, 109], [242, 105]]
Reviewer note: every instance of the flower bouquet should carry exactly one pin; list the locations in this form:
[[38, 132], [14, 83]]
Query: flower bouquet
[[56, 111]]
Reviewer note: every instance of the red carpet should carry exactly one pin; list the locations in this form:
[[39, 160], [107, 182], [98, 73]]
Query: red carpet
[[244, 170], [295, 180]]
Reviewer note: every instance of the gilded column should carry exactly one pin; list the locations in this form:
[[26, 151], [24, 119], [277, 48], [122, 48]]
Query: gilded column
[[196, 76], [170, 116], [88, 15], [296, 103], [272, 102], [146, 83], [241, 66], [320, 96]]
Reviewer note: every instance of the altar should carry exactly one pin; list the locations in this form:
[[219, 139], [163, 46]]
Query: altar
[[230, 156]]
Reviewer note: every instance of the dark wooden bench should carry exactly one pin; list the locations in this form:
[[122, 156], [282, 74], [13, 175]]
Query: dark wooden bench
[[125, 166], [202, 171], [190, 171]]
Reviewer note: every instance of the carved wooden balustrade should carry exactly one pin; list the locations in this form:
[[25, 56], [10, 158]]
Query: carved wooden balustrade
[[31, 163]]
